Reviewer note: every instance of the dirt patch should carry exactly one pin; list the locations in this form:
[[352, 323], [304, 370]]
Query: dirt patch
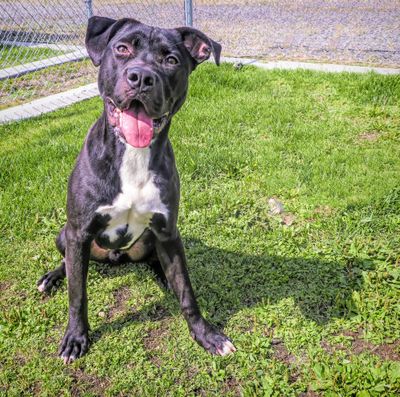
[[389, 351], [386, 351], [84, 383], [153, 342], [368, 136], [153, 339], [309, 393], [231, 386], [4, 285], [35, 389], [121, 295], [200, 392], [281, 353], [310, 220], [324, 210], [288, 219], [20, 360], [247, 326], [330, 349]]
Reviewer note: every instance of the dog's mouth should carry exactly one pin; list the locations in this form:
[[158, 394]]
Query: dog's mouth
[[133, 124]]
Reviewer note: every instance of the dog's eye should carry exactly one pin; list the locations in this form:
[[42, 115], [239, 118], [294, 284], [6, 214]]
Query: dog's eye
[[171, 60], [122, 50]]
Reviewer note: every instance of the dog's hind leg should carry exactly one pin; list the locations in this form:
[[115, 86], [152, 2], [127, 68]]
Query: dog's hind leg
[[52, 279], [99, 254], [144, 250], [61, 241], [154, 263]]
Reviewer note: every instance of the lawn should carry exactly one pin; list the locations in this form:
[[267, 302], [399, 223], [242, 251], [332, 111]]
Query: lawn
[[16, 55], [310, 297], [51, 80]]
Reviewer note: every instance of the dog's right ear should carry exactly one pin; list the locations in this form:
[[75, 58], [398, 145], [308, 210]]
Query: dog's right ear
[[97, 37], [99, 32]]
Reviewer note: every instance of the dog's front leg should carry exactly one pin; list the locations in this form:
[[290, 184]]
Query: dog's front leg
[[75, 342], [172, 257]]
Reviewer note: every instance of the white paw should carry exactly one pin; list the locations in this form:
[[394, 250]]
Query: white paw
[[42, 286], [227, 348]]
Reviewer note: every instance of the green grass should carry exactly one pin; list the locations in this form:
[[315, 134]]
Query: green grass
[[46, 81], [312, 307], [16, 55]]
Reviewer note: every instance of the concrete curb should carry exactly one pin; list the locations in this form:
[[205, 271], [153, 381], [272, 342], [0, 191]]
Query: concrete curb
[[58, 46], [320, 67], [48, 104], [25, 68]]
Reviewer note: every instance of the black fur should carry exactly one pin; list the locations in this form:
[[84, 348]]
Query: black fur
[[95, 181]]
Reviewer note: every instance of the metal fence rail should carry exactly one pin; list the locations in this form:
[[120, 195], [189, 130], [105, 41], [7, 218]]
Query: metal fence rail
[[42, 42]]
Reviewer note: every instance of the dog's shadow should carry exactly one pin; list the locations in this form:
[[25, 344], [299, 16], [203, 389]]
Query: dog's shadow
[[226, 282]]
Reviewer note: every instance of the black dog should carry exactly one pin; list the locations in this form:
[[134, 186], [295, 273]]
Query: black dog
[[123, 194]]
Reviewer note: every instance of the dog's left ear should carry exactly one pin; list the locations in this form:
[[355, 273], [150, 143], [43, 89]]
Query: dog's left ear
[[199, 45]]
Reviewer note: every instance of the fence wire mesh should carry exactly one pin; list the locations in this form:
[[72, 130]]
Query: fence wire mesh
[[42, 42]]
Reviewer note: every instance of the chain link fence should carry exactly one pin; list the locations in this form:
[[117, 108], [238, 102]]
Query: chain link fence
[[42, 42]]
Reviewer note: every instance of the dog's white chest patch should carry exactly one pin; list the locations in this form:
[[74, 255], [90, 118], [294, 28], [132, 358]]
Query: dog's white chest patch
[[138, 200]]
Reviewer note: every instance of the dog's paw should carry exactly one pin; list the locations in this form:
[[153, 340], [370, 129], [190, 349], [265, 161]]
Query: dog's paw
[[74, 345], [212, 340], [49, 281]]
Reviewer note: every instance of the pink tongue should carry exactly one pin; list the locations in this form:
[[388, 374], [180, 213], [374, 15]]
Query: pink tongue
[[137, 127]]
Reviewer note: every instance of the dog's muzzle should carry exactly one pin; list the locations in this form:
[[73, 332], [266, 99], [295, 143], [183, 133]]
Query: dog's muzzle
[[133, 124]]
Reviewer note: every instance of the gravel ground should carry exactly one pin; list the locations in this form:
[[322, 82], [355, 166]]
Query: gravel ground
[[340, 31], [355, 32]]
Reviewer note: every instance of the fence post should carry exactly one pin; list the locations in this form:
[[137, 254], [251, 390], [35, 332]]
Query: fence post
[[188, 4], [89, 8]]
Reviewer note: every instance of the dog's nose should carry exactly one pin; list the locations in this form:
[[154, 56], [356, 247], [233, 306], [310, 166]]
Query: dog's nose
[[141, 79]]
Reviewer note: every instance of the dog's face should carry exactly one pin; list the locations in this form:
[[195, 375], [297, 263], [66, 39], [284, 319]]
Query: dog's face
[[144, 71]]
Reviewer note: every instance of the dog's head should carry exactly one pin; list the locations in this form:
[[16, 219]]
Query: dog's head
[[144, 71]]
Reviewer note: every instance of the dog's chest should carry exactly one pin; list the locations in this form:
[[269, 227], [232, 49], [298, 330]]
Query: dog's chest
[[131, 210]]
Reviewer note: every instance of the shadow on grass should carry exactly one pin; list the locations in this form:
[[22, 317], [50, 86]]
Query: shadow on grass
[[226, 282]]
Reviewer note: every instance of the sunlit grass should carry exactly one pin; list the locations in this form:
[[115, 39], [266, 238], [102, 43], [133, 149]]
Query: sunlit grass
[[306, 302]]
